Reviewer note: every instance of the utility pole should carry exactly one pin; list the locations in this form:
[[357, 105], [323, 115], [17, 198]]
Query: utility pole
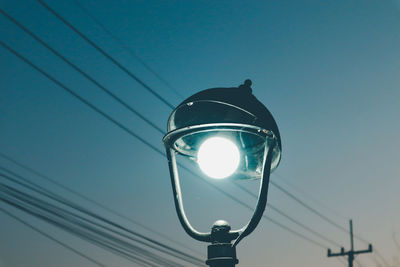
[[351, 253]]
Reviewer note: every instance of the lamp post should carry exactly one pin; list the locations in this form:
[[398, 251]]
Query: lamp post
[[228, 134]]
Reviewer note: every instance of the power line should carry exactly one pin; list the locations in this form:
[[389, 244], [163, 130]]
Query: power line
[[87, 76], [316, 201], [342, 261], [168, 104], [377, 252], [285, 191], [108, 56], [108, 117], [52, 238], [123, 103], [358, 262], [303, 226], [27, 204], [325, 218], [377, 262], [90, 79], [75, 230], [172, 107], [289, 218], [98, 204], [115, 97], [381, 257], [143, 140], [74, 218], [130, 51], [78, 97], [114, 62], [395, 240], [39, 189]]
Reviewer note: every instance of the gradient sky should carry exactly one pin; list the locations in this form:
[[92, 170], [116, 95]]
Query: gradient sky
[[329, 71]]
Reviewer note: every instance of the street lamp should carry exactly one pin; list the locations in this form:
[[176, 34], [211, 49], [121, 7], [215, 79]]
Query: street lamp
[[228, 134]]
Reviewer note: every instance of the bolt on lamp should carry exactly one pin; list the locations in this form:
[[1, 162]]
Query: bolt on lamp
[[228, 134]]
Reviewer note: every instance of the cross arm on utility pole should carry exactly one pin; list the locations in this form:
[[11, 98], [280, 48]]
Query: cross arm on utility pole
[[345, 253], [364, 251], [341, 253], [351, 253]]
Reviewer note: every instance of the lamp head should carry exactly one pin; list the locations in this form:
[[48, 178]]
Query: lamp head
[[226, 131]]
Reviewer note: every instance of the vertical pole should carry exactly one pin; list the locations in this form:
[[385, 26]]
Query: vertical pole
[[351, 235], [351, 253], [350, 257]]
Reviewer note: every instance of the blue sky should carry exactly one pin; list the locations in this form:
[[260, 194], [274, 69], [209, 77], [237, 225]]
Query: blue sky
[[329, 71]]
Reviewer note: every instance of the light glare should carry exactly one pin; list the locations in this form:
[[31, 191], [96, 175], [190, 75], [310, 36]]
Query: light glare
[[218, 157]]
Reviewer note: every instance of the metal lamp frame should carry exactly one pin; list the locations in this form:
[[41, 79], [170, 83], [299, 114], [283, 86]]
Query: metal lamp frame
[[222, 252]]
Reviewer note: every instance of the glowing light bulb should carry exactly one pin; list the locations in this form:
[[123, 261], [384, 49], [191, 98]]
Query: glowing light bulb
[[218, 157]]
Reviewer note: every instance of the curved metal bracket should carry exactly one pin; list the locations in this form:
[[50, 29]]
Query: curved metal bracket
[[262, 195], [176, 189], [258, 212]]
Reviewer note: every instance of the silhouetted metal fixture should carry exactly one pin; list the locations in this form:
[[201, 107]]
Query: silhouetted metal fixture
[[351, 253], [227, 133]]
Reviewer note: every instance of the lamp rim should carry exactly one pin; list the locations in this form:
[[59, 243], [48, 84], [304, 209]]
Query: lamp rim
[[170, 138]]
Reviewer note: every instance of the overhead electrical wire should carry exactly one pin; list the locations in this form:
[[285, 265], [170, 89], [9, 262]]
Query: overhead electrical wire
[[92, 201], [171, 106], [286, 228], [129, 50], [78, 97], [71, 217], [41, 190], [65, 218], [28, 204], [290, 218], [316, 212], [116, 98], [342, 261], [93, 239], [97, 47], [335, 212], [358, 262], [396, 242], [381, 257], [86, 102], [102, 88], [133, 253], [313, 210], [83, 100], [141, 139], [108, 56], [51, 238], [87, 76]]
